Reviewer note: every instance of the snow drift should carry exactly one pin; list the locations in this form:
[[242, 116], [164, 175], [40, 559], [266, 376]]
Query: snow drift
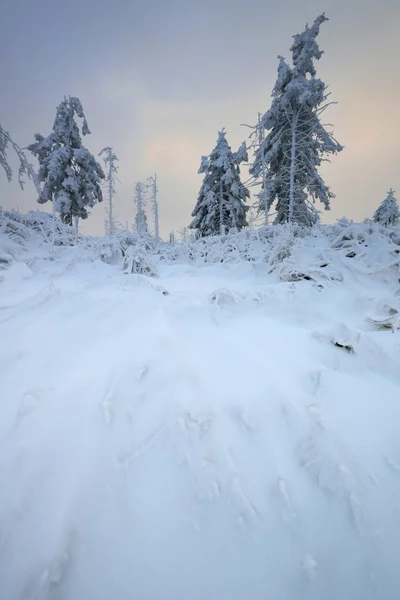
[[228, 428]]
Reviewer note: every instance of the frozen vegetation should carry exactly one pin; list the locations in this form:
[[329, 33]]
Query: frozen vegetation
[[207, 420], [214, 419]]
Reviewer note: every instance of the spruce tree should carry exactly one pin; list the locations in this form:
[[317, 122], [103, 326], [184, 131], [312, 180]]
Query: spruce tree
[[388, 212], [220, 206], [297, 142], [70, 174]]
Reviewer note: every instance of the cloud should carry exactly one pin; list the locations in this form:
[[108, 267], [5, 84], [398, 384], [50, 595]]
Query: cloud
[[158, 80]]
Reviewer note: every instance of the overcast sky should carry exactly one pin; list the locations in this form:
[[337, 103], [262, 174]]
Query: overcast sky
[[159, 78]]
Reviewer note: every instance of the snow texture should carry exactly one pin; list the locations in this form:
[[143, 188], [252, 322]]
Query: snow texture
[[204, 434]]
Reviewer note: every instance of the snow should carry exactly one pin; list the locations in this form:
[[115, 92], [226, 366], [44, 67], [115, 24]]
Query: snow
[[198, 435]]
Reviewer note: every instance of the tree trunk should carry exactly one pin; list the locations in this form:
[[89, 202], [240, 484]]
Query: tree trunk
[[292, 167], [221, 210], [263, 166], [156, 221], [110, 192]]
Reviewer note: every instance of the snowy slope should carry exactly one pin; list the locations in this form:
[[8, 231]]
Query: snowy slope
[[195, 436]]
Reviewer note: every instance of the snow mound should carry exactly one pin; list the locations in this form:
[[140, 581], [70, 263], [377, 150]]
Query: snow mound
[[224, 430]]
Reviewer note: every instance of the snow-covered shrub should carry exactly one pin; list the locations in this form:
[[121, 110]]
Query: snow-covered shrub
[[138, 255], [21, 226], [137, 260], [310, 258], [322, 254]]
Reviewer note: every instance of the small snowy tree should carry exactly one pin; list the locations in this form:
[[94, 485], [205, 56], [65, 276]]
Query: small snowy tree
[[297, 142], [388, 212], [110, 159], [71, 176], [141, 218], [25, 168], [220, 206]]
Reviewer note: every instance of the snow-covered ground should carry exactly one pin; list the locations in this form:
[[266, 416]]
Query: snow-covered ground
[[196, 436]]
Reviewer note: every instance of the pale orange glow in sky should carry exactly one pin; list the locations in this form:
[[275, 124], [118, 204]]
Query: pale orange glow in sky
[[158, 80]]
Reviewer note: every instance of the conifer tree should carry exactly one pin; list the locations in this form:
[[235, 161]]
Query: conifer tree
[[220, 206], [388, 212], [297, 142], [70, 174]]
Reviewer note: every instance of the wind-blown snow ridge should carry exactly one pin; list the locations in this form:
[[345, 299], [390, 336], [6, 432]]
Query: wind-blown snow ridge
[[227, 432]]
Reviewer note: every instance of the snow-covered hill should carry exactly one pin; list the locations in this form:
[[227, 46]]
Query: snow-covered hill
[[227, 430]]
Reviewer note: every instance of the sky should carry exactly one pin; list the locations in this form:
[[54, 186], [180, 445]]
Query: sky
[[159, 79]]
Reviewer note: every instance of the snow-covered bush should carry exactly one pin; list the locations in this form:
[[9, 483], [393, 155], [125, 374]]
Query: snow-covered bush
[[292, 253], [321, 254], [139, 256]]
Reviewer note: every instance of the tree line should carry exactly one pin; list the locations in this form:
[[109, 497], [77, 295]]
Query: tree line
[[289, 144]]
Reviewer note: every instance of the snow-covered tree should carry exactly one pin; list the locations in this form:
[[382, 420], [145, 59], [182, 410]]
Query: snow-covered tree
[[25, 168], [110, 160], [297, 142], [220, 205], [141, 218], [152, 184], [388, 212], [70, 174]]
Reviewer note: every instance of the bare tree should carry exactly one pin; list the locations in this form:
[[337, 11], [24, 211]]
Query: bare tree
[[257, 139], [25, 168], [110, 159], [152, 185], [140, 201]]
